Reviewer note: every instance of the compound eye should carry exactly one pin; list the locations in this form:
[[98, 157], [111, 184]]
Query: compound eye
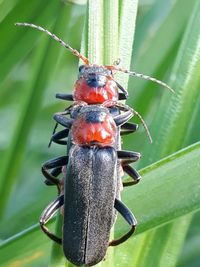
[[81, 69]]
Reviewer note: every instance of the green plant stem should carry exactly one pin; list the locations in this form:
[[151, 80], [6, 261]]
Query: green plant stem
[[128, 14], [95, 31], [111, 31], [107, 40]]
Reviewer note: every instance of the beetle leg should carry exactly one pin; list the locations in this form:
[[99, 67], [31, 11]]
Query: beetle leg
[[123, 117], [66, 122], [123, 91], [126, 158], [54, 130], [68, 97], [55, 172], [128, 127], [129, 217], [132, 173], [115, 109], [122, 96], [56, 163], [48, 214], [56, 138]]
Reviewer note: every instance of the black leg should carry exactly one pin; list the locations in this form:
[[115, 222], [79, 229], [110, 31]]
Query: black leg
[[56, 138], [115, 109], [123, 91], [133, 174], [123, 117], [126, 158], [122, 96], [66, 122], [68, 97], [55, 164], [128, 128], [129, 217], [48, 214], [54, 130], [55, 172]]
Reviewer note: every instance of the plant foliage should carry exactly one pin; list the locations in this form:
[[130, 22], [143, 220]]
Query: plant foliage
[[33, 68]]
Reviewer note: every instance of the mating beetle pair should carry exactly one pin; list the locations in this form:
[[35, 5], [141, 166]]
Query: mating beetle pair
[[92, 182], [90, 191]]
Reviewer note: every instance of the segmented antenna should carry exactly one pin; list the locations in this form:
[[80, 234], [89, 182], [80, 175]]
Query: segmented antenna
[[144, 124], [117, 62], [56, 38], [125, 108], [119, 104], [140, 75]]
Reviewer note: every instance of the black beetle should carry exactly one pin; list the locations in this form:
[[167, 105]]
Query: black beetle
[[92, 184]]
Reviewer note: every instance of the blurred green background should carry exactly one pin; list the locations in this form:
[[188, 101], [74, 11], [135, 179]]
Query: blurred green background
[[33, 68]]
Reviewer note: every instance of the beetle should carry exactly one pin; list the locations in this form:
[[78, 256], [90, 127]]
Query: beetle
[[95, 85], [91, 189]]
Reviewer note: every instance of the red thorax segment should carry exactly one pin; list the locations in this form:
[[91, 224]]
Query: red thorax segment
[[94, 133], [95, 95]]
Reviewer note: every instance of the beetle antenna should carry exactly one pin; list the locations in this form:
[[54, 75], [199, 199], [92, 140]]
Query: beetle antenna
[[142, 76], [56, 38], [144, 124], [117, 62], [125, 108]]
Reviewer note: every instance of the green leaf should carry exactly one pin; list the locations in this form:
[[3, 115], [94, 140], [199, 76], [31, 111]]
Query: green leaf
[[11, 53], [169, 128], [168, 191], [169, 182]]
